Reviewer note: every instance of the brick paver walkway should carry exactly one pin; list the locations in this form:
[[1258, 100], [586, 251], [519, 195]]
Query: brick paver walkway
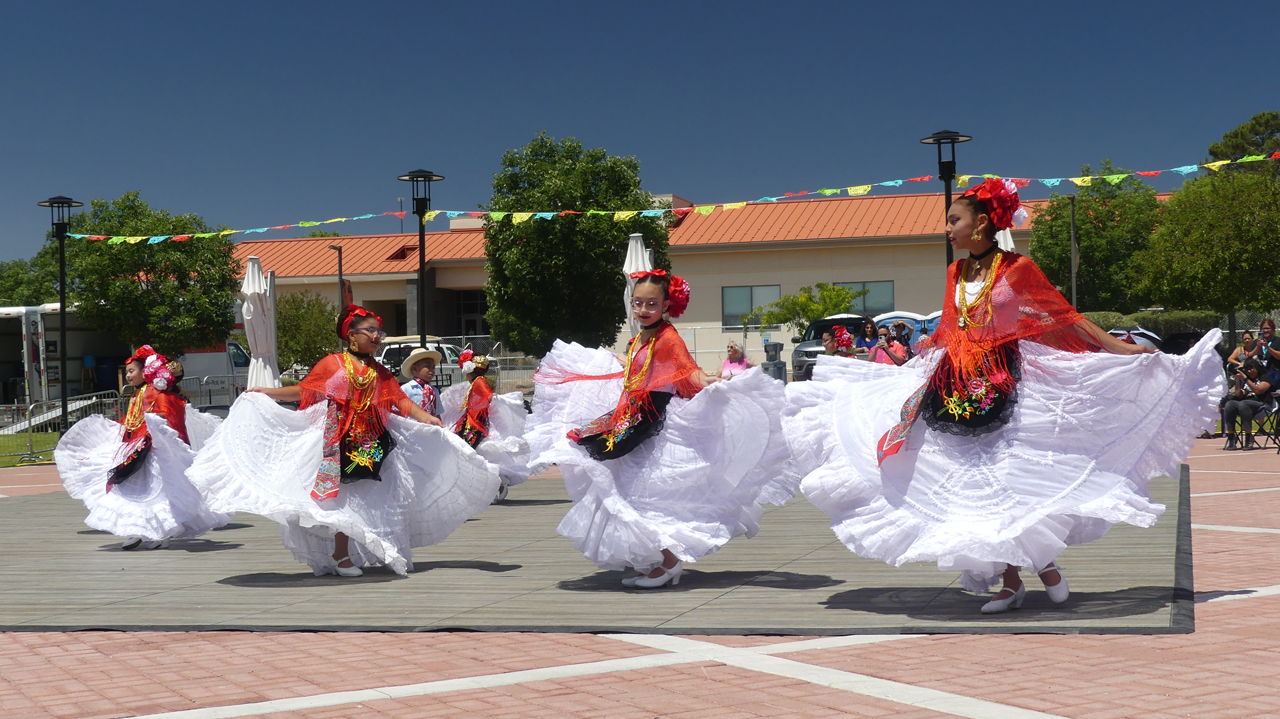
[[1227, 668]]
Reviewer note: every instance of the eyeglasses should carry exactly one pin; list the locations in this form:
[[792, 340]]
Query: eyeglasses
[[372, 332], [651, 305]]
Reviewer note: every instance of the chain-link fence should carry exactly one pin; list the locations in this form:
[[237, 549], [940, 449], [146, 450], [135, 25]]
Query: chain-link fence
[[28, 433]]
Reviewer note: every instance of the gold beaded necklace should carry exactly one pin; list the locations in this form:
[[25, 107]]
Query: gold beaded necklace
[[984, 294], [137, 411], [628, 383]]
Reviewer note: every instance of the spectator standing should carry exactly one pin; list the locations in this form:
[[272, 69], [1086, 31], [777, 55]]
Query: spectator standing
[[887, 350], [1267, 348], [866, 340]]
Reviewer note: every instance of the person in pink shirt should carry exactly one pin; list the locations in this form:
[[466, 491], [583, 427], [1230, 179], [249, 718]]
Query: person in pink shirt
[[887, 351]]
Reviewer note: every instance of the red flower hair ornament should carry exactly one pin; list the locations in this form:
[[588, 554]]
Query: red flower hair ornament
[[677, 290], [843, 339], [155, 369], [1001, 198]]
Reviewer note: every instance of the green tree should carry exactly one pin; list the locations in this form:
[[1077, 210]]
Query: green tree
[[175, 296], [798, 311], [30, 282], [1217, 245], [1260, 135], [1113, 223], [322, 233], [562, 278], [305, 328]]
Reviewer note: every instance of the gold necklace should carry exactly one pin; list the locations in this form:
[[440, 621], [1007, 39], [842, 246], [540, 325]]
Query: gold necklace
[[359, 383], [135, 416], [984, 294], [628, 383]]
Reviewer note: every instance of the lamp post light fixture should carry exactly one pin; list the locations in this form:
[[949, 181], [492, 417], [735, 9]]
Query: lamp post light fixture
[[946, 168], [340, 285], [421, 180], [60, 210]]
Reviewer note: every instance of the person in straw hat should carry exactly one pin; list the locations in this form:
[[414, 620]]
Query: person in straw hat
[[419, 368]]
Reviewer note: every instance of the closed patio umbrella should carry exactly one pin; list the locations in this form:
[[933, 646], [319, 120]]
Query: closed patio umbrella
[[259, 312], [638, 260]]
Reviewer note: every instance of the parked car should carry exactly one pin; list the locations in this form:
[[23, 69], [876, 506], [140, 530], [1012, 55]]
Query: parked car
[[394, 349], [809, 345]]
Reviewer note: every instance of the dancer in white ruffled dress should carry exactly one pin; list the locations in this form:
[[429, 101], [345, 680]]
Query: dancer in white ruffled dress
[[491, 423], [662, 468], [1031, 441], [132, 478], [351, 481]]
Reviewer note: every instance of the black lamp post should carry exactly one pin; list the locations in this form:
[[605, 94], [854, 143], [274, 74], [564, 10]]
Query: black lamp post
[[340, 286], [422, 180], [60, 210], [946, 168]]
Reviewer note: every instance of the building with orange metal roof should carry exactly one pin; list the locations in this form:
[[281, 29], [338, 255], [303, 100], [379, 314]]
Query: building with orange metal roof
[[892, 245]]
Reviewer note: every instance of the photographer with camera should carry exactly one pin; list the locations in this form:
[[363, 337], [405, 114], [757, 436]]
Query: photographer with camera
[[1251, 389], [888, 350]]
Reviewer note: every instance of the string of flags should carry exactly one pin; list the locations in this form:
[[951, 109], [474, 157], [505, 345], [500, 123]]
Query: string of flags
[[623, 215]]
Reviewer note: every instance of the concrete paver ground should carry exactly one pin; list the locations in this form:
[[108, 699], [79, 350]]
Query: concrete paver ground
[[1226, 668]]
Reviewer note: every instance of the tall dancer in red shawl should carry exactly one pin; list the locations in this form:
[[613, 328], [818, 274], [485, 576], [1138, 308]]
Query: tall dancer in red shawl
[[1026, 430], [662, 468], [351, 480], [133, 478]]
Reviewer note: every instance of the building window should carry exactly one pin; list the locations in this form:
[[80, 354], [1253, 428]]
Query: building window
[[739, 301], [472, 305], [879, 298]]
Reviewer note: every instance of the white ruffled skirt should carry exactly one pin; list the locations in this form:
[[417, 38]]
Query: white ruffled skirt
[[505, 445], [264, 459], [690, 489], [1086, 435], [157, 501]]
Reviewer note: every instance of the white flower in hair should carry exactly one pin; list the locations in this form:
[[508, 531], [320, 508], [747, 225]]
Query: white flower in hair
[[160, 383], [468, 367]]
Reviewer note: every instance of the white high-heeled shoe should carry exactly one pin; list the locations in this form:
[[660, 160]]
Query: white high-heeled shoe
[[631, 579], [1013, 601], [131, 543], [352, 571], [1059, 592], [668, 575]]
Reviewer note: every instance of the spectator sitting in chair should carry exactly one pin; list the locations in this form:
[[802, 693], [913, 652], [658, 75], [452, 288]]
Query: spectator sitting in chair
[[1241, 353], [1250, 392]]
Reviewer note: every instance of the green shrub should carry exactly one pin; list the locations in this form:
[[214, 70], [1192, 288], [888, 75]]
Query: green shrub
[[1106, 320], [1175, 321]]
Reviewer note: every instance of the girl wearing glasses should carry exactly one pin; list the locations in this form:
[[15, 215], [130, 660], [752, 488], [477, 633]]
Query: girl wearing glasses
[[351, 480], [663, 468]]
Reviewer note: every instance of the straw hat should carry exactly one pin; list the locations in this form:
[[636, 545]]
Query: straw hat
[[417, 354]]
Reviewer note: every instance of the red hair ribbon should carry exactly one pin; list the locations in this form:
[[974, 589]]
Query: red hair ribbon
[[141, 355], [350, 314], [646, 273]]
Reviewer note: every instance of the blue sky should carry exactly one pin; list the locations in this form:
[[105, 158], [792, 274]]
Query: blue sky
[[266, 113]]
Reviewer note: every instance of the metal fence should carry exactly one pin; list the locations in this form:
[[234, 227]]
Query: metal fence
[[31, 432], [215, 389]]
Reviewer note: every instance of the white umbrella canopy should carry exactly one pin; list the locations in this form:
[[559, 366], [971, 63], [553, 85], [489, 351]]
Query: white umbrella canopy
[[638, 259], [259, 312]]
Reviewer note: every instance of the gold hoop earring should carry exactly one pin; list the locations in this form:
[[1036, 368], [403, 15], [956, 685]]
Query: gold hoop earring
[[977, 236]]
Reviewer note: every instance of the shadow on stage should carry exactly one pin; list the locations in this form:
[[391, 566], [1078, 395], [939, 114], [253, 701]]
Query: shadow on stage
[[694, 579], [531, 502], [372, 575], [194, 546], [952, 604]]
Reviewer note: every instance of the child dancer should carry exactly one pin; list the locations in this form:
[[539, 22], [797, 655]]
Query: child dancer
[[1030, 441], [350, 480], [662, 468], [133, 478], [493, 424]]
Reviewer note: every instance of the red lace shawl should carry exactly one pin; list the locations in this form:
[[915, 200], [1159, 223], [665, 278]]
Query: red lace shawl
[[327, 381], [166, 404], [476, 407], [1024, 306], [671, 369]]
